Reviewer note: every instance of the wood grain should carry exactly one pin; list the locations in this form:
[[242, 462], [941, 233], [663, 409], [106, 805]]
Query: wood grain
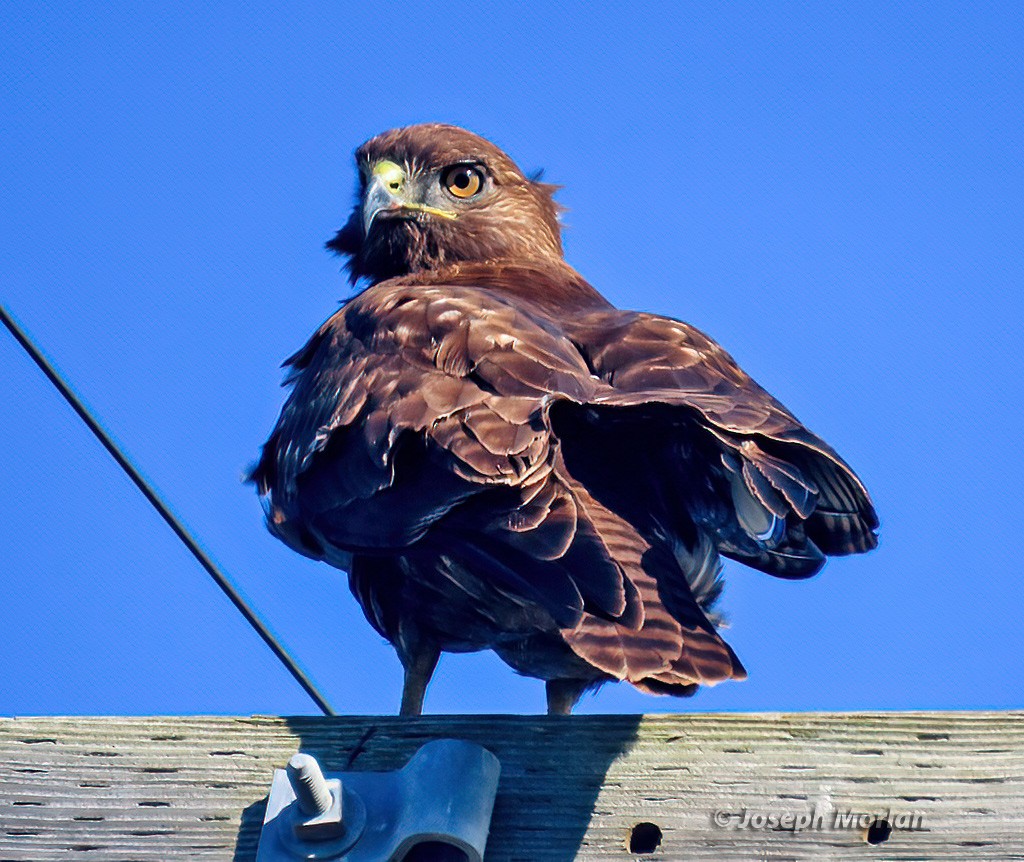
[[141, 789]]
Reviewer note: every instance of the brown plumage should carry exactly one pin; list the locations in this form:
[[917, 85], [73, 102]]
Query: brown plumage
[[502, 460]]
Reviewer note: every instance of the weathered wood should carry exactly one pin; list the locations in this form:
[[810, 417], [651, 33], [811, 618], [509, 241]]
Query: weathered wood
[[145, 789]]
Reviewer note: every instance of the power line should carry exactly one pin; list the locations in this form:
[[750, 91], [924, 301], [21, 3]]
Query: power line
[[157, 502]]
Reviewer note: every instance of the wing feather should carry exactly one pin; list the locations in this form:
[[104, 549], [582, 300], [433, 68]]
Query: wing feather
[[793, 474]]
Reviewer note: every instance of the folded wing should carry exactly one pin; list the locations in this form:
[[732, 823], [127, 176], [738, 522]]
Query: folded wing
[[771, 493]]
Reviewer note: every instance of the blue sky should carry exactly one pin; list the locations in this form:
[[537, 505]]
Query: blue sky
[[832, 191]]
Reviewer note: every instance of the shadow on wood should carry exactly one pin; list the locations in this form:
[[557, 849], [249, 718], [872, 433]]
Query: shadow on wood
[[249, 831], [552, 768]]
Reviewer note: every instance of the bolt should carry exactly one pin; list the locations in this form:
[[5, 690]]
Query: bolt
[[311, 790]]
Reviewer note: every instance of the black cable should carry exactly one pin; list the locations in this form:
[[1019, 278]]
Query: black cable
[[179, 529]]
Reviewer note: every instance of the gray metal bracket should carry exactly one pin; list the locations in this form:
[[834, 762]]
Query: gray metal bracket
[[438, 806]]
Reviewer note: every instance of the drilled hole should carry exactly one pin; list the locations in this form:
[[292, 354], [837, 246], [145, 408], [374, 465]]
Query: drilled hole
[[644, 838], [879, 832], [435, 851]]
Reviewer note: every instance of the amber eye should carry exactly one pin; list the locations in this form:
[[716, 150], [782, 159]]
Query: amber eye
[[463, 181]]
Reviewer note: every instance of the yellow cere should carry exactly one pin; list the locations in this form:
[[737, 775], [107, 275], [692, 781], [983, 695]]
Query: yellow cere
[[392, 174]]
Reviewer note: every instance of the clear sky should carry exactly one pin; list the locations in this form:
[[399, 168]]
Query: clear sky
[[832, 191]]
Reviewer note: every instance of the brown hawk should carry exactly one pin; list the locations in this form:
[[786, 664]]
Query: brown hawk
[[502, 460]]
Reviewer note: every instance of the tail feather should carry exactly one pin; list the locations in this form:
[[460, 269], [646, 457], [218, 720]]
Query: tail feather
[[675, 645]]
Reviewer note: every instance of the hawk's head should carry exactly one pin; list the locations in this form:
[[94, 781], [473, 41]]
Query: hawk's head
[[432, 195]]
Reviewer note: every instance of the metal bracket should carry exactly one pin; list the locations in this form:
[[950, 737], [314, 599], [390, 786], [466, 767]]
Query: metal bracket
[[437, 806]]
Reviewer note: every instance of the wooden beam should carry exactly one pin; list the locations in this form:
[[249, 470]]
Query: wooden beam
[[951, 785]]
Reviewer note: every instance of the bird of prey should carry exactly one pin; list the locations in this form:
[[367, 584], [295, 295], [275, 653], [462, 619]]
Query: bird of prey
[[501, 459]]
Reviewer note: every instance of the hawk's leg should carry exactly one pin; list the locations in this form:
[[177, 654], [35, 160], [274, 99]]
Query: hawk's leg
[[419, 667], [563, 694]]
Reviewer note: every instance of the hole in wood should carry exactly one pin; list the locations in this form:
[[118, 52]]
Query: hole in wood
[[644, 838], [878, 832], [435, 851]]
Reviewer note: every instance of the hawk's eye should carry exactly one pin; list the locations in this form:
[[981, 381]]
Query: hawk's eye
[[463, 181]]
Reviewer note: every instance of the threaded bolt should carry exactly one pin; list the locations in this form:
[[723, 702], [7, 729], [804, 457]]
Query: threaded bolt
[[311, 790]]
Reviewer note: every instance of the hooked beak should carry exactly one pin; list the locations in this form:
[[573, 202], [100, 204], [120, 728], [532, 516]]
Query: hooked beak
[[387, 192]]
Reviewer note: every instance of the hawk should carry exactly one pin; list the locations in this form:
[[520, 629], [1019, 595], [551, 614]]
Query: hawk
[[501, 459]]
